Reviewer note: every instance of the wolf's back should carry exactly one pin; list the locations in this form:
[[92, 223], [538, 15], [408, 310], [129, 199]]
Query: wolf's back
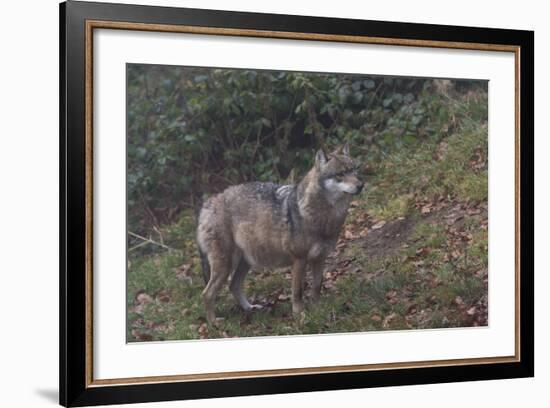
[[258, 210]]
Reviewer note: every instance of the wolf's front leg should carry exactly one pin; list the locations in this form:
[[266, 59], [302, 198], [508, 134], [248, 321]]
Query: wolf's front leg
[[317, 270], [298, 273], [236, 286]]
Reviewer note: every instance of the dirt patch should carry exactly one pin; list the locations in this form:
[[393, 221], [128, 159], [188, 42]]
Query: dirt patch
[[388, 239]]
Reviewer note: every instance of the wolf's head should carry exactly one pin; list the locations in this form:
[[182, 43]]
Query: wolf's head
[[337, 173]]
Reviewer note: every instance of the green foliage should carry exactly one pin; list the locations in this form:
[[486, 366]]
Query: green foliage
[[193, 131]]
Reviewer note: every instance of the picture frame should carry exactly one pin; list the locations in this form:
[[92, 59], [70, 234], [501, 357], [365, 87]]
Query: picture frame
[[79, 21]]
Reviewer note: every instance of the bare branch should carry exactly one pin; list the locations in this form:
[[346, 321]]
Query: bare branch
[[150, 241]]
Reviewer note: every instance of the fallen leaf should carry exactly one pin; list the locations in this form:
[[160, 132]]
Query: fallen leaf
[[391, 294], [348, 305], [378, 225], [283, 296], [161, 327], [328, 284], [422, 251], [388, 319], [143, 298], [141, 336], [183, 273], [203, 330], [411, 310], [163, 296], [348, 234], [341, 245]]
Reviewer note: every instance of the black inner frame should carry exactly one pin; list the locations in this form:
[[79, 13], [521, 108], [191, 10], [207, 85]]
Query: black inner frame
[[73, 391]]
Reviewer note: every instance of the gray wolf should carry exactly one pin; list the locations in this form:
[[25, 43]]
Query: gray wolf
[[268, 225]]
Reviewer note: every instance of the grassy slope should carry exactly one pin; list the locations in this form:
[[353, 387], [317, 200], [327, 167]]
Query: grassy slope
[[413, 253]]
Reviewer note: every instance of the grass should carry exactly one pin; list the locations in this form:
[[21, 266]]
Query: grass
[[431, 272]]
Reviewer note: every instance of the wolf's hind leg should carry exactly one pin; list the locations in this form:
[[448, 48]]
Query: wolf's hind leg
[[236, 285], [298, 272], [220, 270]]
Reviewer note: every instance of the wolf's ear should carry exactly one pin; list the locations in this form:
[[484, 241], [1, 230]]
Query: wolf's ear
[[320, 159], [345, 149]]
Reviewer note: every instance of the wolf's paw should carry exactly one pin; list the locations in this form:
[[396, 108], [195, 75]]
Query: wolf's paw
[[249, 308]]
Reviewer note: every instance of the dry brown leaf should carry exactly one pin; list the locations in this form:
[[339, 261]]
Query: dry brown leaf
[[164, 296], [411, 310], [349, 235], [388, 319], [143, 298], [328, 284], [183, 273], [391, 294], [141, 336], [203, 330], [283, 296], [422, 251], [378, 225]]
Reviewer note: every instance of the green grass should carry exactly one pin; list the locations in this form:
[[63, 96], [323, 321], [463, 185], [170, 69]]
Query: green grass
[[425, 294], [434, 277]]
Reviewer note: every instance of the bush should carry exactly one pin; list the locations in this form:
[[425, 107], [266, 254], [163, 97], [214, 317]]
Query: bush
[[194, 131]]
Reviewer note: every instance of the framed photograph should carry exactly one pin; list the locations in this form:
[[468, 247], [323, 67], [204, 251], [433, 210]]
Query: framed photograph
[[256, 203]]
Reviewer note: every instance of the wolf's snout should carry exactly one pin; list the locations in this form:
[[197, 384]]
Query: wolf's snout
[[360, 188]]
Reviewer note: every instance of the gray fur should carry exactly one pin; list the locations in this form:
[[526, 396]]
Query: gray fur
[[269, 225]]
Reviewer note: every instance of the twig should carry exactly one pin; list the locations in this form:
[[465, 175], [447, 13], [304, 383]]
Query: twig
[[160, 234], [142, 243], [150, 241], [148, 210]]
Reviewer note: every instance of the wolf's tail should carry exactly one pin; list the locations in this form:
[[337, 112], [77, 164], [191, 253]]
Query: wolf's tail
[[205, 266]]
